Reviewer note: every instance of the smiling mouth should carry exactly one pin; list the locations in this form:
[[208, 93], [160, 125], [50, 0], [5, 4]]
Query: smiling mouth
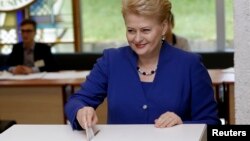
[[140, 45]]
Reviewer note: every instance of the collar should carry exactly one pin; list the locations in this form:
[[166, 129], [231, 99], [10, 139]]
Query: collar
[[30, 48]]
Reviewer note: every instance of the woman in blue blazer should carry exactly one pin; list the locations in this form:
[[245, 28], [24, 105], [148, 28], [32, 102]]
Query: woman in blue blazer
[[147, 82]]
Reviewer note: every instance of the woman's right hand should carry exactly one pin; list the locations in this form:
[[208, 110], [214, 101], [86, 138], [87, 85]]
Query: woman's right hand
[[86, 117]]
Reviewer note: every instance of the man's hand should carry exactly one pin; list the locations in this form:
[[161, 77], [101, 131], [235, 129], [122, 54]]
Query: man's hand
[[20, 69]]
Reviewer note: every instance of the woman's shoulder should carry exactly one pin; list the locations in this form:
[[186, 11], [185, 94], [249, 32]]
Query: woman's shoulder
[[117, 51], [180, 54]]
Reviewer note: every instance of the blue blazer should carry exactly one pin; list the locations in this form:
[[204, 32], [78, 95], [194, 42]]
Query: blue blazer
[[41, 52], [181, 85]]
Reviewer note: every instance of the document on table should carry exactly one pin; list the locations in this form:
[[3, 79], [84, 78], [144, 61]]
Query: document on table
[[91, 132], [45, 75], [66, 75], [9, 76]]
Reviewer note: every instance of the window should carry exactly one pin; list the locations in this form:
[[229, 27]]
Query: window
[[229, 24], [8, 33], [55, 24], [103, 25], [195, 20]]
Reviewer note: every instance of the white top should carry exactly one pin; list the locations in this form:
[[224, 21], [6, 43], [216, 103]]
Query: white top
[[184, 132]]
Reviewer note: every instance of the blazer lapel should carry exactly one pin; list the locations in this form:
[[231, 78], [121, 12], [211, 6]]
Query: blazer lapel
[[132, 59]]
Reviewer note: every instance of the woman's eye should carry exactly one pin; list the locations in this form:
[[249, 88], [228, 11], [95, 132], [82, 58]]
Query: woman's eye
[[146, 30], [130, 31]]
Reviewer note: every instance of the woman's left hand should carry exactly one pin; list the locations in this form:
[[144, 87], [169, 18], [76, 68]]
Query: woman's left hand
[[168, 119]]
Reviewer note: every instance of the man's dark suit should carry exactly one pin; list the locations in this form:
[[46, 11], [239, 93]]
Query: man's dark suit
[[41, 52]]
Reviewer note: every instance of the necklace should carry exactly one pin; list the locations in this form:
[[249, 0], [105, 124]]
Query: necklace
[[145, 73]]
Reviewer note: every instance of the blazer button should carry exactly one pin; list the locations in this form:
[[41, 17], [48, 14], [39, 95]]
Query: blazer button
[[145, 107]]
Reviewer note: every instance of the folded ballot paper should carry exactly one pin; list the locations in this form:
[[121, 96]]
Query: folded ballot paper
[[91, 132]]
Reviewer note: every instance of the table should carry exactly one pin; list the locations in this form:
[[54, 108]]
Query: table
[[224, 79], [33, 99], [184, 132], [228, 82], [37, 101], [37, 98]]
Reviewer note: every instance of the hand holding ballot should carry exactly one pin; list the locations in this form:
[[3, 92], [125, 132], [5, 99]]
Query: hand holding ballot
[[87, 117], [91, 132]]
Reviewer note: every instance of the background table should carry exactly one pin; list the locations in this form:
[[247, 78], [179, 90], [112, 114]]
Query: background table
[[34, 101], [37, 98], [184, 132], [223, 83]]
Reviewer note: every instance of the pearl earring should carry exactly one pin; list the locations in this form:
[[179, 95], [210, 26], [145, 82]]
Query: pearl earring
[[162, 37]]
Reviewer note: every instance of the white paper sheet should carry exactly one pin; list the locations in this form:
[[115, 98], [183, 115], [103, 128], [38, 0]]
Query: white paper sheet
[[9, 76], [45, 75], [66, 75], [228, 70]]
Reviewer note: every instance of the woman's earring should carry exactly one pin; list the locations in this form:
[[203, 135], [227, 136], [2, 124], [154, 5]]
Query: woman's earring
[[162, 37]]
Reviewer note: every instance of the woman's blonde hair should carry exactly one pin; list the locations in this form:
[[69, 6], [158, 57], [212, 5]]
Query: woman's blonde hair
[[152, 8], [171, 19]]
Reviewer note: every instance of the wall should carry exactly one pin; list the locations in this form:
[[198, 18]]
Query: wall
[[242, 63]]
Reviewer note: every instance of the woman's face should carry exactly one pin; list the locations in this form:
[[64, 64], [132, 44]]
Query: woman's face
[[144, 34]]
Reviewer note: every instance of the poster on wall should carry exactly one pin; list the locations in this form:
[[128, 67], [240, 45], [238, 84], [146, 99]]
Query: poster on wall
[[11, 5]]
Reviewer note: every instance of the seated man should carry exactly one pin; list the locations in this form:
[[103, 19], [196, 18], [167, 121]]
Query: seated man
[[28, 56], [173, 39]]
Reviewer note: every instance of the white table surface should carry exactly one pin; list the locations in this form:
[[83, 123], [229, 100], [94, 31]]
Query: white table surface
[[185, 132]]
